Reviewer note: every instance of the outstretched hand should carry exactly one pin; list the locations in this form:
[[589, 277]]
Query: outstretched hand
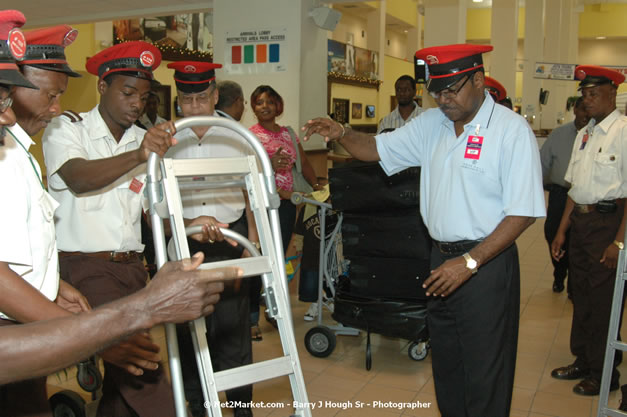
[[329, 129]]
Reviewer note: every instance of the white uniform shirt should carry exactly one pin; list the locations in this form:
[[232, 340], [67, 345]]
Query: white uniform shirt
[[225, 204], [394, 120], [27, 217], [599, 170], [103, 220], [468, 184], [145, 121]]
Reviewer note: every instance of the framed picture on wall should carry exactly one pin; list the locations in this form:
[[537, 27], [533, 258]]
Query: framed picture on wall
[[164, 93], [356, 113], [340, 110], [370, 111]]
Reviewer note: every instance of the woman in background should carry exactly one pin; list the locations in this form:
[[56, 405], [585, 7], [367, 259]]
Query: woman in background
[[267, 105]]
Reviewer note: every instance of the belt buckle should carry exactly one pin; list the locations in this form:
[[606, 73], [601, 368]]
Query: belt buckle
[[583, 208]]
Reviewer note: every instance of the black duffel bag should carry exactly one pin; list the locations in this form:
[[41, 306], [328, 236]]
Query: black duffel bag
[[391, 318], [400, 234], [392, 278], [365, 187]]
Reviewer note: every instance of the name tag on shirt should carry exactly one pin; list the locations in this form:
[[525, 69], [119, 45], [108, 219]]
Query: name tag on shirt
[[136, 186], [473, 147]]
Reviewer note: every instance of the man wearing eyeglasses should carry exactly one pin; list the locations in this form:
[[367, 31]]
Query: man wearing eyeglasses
[[480, 188], [228, 328]]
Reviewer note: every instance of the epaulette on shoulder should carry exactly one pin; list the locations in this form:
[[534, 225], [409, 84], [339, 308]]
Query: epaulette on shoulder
[[72, 115]]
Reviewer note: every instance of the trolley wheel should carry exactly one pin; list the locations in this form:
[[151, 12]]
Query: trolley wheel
[[418, 350], [88, 376], [67, 404], [320, 341]]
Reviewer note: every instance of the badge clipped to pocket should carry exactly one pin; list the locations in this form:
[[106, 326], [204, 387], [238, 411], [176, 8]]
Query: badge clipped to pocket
[[473, 147], [136, 186]]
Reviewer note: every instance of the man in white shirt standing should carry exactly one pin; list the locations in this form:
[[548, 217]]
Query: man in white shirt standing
[[595, 215], [407, 108], [150, 117], [228, 328]]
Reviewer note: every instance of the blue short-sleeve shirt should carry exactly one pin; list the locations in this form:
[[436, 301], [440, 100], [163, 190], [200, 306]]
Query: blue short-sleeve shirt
[[469, 183]]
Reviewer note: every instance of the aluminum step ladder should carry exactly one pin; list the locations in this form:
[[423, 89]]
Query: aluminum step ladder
[[613, 344], [165, 203]]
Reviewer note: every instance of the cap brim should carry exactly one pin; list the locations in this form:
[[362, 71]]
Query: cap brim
[[64, 68], [438, 84], [13, 77]]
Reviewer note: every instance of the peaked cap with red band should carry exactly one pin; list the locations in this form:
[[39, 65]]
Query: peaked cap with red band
[[496, 89], [137, 59], [448, 64], [12, 48], [592, 76], [193, 76], [46, 48]]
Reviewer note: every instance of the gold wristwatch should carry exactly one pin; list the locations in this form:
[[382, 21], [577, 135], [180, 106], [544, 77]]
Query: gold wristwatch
[[620, 245], [470, 263]]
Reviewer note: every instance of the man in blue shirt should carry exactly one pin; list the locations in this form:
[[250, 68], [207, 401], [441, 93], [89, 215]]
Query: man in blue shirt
[[480, 188]]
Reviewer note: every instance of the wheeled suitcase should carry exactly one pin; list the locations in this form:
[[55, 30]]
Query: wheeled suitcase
[[398, 234], [391, 278], [365, 187]]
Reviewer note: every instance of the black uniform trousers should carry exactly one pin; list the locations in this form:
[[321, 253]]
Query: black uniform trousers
[[228, 328], [557, 201], [592, 287], [474, 336]]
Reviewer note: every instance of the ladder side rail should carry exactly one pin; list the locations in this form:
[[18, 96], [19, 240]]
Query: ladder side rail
[[612, 337], [198, 327], [155, 197]]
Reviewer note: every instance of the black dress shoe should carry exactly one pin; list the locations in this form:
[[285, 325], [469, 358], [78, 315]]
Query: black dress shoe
[[592, 386], [558, 286], [570, 372], [623, 404]]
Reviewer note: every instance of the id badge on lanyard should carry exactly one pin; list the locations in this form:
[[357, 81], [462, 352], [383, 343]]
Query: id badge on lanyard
[[473, 146]]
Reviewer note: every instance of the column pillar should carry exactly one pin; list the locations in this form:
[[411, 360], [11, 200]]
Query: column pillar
[[445, 23], [303, 57], [533, 52], [505, 42]]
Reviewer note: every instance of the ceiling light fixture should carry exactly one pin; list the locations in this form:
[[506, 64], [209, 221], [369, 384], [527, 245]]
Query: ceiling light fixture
[[601, 37], [477, 1]]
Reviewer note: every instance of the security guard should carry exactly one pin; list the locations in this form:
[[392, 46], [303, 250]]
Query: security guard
[[595, 216], [477, 160], [228, 328]]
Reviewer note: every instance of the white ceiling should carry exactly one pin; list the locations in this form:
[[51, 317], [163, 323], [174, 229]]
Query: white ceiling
[[49, 12]]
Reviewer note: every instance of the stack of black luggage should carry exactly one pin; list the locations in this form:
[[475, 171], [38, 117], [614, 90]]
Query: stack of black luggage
[[387, 246]]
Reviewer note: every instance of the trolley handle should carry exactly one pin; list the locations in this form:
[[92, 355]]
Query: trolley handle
[[299, 198], [247, 244], [264, 158]]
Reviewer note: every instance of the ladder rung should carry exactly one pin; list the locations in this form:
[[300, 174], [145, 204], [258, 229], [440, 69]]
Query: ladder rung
[[253, 373], [619, 345], [256, 265], [612, 412], [210, 166]]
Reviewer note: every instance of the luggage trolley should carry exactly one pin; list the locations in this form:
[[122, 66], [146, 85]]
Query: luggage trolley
[[165, 202], [320, 341]]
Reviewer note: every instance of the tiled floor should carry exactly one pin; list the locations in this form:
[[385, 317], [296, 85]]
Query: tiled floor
[[340, 382]]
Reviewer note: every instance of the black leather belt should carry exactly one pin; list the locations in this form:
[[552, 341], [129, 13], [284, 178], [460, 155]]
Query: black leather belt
[[111, 256], [456, 248]]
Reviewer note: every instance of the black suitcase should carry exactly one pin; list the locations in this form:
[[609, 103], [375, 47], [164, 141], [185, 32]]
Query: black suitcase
[[391, 318], [365, 187], [392, 278], [400, 234]]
